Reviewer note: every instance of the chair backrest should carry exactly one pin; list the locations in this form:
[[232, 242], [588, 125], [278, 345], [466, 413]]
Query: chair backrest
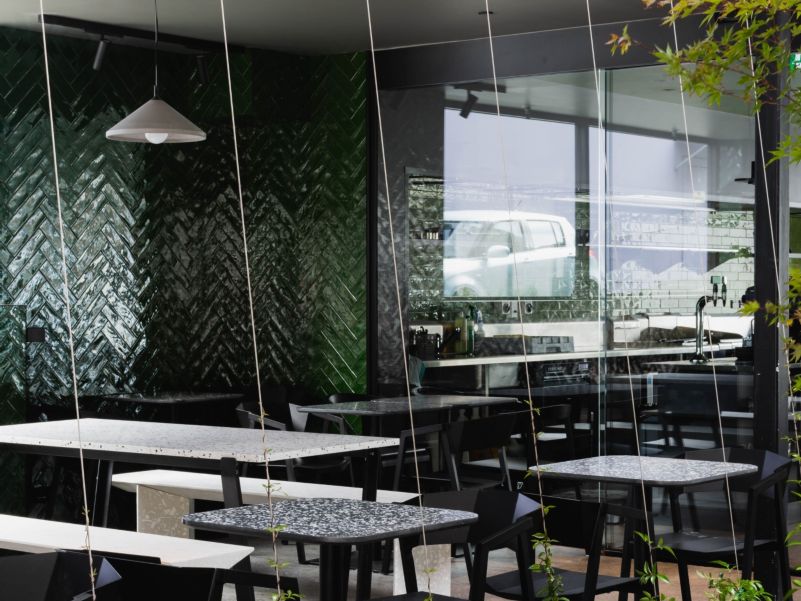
[[595, 517], [141, 579], [58, 576], [247, 415], [486, 433], [496, 509], [491, 432], [766, 488], [767, 462], [548, 420]]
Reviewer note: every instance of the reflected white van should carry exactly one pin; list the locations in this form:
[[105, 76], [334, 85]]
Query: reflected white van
[[497, 254]]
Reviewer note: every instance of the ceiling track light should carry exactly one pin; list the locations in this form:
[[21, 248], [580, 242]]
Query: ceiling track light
[[100, 54], [156, 122], [469, 103]]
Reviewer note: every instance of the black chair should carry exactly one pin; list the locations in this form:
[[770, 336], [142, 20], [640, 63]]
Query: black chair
[[762, 534], [508, 520], [579, 524], [556, 441], [151, 580], [57, 576], [311, 468], [483, 434]]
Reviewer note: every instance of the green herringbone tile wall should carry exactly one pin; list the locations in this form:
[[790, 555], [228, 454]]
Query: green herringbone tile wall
[[153, 232], [12, 400]]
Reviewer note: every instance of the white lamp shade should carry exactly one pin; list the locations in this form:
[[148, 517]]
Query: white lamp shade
[[156, 122]]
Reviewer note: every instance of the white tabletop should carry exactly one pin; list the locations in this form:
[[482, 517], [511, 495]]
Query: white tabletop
[[183, 440], [29, 535], [652, 471]]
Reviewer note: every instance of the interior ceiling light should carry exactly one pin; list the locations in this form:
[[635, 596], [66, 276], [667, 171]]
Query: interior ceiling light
[[156, 122], [100, 54]]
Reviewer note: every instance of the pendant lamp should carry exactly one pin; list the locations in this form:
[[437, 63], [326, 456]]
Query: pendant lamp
[[156, 122]]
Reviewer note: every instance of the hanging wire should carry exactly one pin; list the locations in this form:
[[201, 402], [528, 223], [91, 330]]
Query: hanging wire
[[602, 159], [402, 337], [262, 413], [156, 47], [518, 299], [67, 303], [729, 502]]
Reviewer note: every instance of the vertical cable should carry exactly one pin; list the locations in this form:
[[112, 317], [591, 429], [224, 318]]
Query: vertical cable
[[602, 160], [262, 413], [156, 47], [703, 312], [65, 286], [515, 271], [398, 297]]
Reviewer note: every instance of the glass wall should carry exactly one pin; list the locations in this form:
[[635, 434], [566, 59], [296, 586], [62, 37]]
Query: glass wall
[[603, 242]]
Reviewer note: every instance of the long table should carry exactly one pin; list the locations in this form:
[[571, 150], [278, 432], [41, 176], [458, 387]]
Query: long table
[[182, 446], [374, 410]]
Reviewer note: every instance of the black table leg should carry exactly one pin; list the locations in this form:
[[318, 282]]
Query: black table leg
[[371, 463], [371, 425], [102, 495], [364, 573], [244, 592], [334, 568]]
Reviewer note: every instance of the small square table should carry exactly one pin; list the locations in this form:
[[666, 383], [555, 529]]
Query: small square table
[[651, 471], [635, 470], [334, 524]]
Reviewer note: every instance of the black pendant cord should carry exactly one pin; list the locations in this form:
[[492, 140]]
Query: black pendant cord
[[156, 48]]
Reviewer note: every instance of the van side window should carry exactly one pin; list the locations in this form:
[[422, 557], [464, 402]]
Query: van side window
[[541, 235]]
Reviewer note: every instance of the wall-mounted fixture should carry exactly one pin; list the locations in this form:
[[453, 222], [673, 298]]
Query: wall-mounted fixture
[[156, 122]]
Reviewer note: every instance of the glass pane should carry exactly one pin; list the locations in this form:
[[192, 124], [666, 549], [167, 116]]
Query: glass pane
[[679, 245]]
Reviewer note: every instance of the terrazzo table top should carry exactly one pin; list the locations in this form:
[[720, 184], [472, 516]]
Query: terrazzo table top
[[330, 521], [174, 398], [400, 405], [182, 440], [656, 471]]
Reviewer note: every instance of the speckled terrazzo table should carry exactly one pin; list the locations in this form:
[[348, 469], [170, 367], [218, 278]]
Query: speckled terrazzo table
[[335, 524], [180, 445], [651, 471], [373, 410]]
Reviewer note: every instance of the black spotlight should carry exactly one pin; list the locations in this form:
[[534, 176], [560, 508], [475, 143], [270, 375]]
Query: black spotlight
[[468, 105], [100, 54]]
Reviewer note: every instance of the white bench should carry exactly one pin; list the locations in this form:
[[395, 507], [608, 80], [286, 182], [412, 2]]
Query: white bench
[[163, 496], [30, 535]]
